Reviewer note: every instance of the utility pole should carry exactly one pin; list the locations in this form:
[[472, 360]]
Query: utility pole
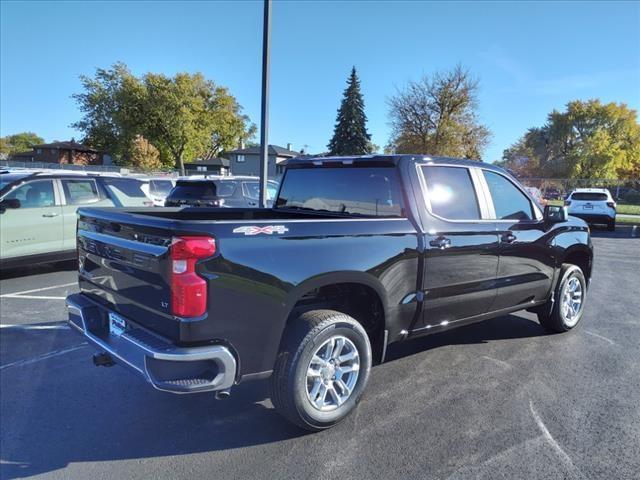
[[264, 113]]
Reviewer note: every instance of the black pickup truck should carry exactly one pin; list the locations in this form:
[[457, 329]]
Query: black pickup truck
[[356, 254]]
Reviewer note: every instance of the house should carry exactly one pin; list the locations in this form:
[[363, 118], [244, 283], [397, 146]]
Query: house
[[210, 166], [246, 161], [70, 152]]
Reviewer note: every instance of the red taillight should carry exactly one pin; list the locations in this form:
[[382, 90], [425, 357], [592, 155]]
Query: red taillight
[[567, 203], [188, 290], [611, 204]]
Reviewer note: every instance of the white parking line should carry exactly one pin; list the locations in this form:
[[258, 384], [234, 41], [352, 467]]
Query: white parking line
[[32, 297], [59, 326], [45, 356], [24, 293]]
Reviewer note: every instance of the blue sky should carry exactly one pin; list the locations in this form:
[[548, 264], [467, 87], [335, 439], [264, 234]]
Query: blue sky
[[530, 57]]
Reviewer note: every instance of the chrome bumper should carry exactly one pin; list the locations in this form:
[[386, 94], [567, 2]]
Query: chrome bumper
[[165, 366]]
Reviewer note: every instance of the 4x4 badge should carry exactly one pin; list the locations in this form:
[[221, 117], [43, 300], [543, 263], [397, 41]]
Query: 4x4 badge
[[267, 230]]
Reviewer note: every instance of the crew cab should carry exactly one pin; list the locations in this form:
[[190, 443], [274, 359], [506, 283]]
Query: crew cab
[[356, 254]]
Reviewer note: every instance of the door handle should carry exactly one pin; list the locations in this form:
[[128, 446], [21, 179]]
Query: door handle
[[509, 238], [49, 215], [441, 243]]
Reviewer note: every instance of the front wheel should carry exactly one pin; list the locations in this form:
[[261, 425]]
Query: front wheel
[[322, 369], [570, 296]]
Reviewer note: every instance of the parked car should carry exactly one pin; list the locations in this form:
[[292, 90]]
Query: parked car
[[356, 254], [38, 211], [229, 192], [594, 205]]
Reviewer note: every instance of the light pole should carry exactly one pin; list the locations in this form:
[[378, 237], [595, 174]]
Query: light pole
[[264, 112]]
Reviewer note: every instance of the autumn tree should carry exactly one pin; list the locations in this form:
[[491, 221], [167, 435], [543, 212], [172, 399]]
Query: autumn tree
[[143, 155], [350, 135], [438, 115], [588, 140]]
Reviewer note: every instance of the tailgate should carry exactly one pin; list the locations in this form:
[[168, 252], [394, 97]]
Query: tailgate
[[124, 264]]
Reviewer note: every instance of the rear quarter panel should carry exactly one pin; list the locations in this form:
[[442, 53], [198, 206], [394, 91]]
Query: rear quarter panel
[[255, 280]]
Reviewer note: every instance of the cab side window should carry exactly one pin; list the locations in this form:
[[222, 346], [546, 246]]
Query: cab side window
[[509, 202], [451, 193], [34, 194], [81, 191]]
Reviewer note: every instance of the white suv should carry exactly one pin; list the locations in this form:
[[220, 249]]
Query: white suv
[[593, 205]]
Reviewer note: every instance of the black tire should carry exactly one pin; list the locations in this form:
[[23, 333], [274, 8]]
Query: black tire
[[301, 339], [552, 317], [611, 226]]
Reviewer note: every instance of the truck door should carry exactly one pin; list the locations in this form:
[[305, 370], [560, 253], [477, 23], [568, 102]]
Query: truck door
[[462, 246], [526, 266]]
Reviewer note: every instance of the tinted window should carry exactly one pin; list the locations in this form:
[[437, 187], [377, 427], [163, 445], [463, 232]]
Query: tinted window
[[208, 190], [35, 194], [509, 202], [129, 186], [78, 192], [451, 193], [358, 191], [589, 196]]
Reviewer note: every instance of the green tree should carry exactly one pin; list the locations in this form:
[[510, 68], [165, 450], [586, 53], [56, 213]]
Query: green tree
[[19, 142], [350, 135], [111, 104], [437, 115], [588, 140], [184, 116]]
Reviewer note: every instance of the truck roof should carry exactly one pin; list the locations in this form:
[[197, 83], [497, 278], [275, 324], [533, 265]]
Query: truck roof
[[390, 159]]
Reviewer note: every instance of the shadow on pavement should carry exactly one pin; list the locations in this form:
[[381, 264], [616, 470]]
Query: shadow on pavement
[[621, 231], [16, 272], [69, 412]]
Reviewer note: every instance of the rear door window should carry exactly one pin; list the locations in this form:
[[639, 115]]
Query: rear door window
[[450, 193], [508, 200], [80, 191]]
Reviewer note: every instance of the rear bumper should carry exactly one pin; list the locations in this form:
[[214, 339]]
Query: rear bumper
[[167, 367], [603, 218]]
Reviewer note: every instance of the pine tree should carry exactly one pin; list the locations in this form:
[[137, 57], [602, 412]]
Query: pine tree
[[350, 135]]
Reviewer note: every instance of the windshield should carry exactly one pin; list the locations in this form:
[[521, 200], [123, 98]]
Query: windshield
[[371, 191], [129, 186], [252, 190], [7, 178], [161, 187]]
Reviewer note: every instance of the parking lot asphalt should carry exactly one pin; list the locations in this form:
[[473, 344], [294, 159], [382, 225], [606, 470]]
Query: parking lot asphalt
[[498, 399]]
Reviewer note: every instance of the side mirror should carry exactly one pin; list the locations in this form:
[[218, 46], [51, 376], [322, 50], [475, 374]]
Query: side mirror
[[9, 203], [555, 214]]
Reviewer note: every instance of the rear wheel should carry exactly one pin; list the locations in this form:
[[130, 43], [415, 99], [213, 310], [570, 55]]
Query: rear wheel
[[570, 296], [322, 369], [611, 226]]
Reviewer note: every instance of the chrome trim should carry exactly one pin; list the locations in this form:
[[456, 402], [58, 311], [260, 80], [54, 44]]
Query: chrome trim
[[220, 354]]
